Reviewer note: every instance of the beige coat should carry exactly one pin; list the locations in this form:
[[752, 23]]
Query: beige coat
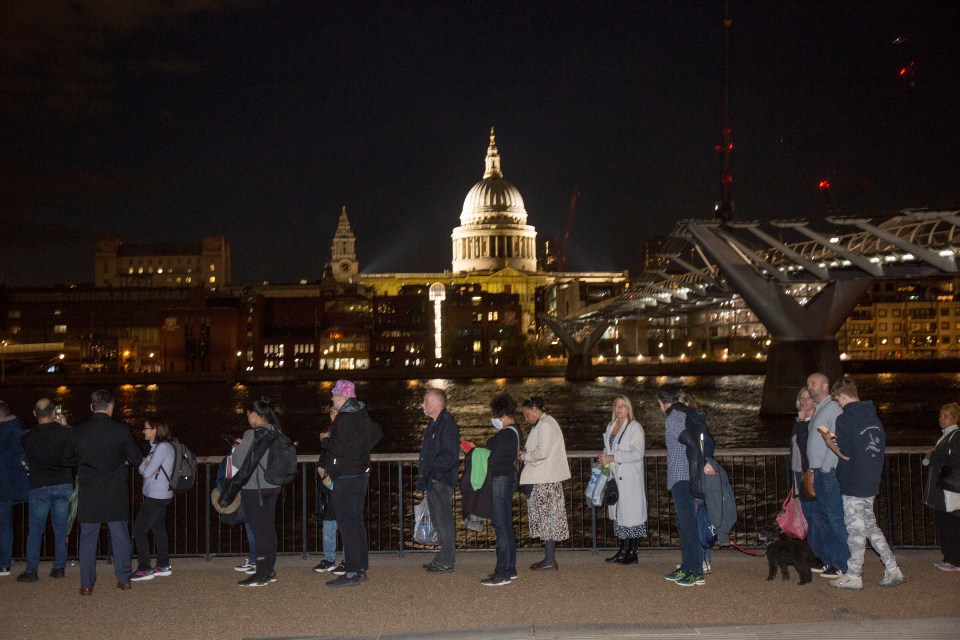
[[627, 468], [545, 454]]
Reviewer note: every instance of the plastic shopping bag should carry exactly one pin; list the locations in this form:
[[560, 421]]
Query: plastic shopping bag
[[423, 530], [599, 474]]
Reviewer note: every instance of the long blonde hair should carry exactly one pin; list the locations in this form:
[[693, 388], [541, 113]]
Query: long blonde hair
[[613, 411]]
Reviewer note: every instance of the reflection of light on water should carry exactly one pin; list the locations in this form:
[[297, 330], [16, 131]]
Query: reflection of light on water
[[62, 390], [152, 387]]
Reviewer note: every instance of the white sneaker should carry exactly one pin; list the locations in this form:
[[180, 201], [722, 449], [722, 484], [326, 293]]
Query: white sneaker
[[892, 578], [246, 567], [847, 581], [706, 567]]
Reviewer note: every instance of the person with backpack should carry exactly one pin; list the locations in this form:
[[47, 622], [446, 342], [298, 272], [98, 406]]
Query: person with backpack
[[682, 429], [504, 446], [258, 495], [156, 469]]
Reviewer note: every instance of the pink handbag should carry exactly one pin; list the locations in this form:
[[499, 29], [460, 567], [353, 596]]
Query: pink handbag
[[790, 519]]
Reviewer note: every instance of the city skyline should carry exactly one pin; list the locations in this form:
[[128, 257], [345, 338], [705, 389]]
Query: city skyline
[[259, 120]]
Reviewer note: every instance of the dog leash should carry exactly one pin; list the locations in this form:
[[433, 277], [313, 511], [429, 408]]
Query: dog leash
[[747, 551]]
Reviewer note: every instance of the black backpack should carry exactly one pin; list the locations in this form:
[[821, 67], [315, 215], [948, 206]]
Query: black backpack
[[281, 466], [184, 474]]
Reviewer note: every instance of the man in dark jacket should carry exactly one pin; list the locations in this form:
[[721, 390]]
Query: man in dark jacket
[[859, 443], [346, 462], [437, 475], [103, 447], [47, 447], [14, 484]]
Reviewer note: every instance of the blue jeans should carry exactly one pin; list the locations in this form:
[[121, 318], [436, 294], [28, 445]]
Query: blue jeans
[[120, 543], [6, 532], [330, 540], [830, 519], [690, 547], [55, 502], [251, 542], [440, 501], [812, 513], [503, 490]]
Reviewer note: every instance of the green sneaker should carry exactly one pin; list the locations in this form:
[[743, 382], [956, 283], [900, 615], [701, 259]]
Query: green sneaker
[[691, 580], [676, 575]]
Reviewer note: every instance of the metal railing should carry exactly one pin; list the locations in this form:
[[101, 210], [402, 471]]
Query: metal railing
[[759, 477]]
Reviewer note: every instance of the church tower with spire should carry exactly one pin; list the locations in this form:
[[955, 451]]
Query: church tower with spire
[[343, 255]]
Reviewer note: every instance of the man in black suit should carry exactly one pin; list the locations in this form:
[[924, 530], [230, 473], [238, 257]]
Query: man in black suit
[[103, 447]]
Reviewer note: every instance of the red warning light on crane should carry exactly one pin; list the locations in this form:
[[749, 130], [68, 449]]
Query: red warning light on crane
[[823, 185]]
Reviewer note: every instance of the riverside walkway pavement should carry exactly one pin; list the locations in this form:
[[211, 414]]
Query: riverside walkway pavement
[[586, 599]]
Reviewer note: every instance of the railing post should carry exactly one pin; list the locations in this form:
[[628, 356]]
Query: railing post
[[207, 520], [593, 529], [400, 505], [887, 474], [303, 508]]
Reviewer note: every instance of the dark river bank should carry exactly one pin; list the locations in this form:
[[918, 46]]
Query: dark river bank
[[201, 413]]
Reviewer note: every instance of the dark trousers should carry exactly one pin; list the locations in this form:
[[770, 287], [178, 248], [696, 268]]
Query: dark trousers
[[119, 542], [348, 496], [690, 547], [948, 534], [440, 501], [263, 519], [151, 517], [503, 490]]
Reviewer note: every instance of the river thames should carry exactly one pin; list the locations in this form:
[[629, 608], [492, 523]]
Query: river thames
[[202, 413]]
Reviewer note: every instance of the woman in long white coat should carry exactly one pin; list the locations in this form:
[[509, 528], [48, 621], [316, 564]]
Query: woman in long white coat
[[624, 445]]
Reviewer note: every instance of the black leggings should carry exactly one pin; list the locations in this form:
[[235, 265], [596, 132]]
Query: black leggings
[[152, 517], [263, 519]]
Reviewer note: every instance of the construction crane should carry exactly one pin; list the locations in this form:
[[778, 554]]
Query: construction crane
[[724, 208], [562, 249]]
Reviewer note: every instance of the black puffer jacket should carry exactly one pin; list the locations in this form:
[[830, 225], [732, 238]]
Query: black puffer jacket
[[353, 435]]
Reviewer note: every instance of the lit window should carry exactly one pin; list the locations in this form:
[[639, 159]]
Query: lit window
[[213, 279], [59, 328], [189, 279], [14, 330], [139, 269], [14, 314], [476, 346], [213, 267]]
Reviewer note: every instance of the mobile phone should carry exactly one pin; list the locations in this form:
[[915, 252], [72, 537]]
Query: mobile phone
[[59, 412]]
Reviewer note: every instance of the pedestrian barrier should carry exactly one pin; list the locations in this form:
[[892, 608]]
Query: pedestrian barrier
[[759, 477]]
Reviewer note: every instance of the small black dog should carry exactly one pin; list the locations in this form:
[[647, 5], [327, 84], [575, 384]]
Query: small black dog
[[783, 551]]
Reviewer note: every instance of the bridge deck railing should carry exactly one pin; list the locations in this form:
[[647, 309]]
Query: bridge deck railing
[[759, 477]]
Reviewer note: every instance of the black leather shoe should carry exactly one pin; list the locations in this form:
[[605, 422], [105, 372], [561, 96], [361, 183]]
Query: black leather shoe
[[57, 573], [615, 557], [28, 577]]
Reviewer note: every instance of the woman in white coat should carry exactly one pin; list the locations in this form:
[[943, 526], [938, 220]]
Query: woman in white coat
[[624, 445]]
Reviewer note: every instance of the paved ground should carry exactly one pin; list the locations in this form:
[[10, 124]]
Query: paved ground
[[585, 599]]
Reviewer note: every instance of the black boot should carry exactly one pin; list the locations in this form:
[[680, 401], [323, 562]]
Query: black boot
[[630, 555], [619, 554]]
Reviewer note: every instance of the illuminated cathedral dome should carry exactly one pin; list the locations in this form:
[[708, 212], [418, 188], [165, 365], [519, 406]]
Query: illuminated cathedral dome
[[494, 232]]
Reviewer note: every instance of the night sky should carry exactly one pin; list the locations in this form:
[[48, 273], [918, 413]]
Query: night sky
[[164, 121]]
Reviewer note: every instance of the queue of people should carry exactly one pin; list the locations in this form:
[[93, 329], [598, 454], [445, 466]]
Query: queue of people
[[837, 446]]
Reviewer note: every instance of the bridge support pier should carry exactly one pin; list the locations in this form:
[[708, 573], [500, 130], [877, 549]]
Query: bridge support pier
[[579, 352], [789, 362]]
